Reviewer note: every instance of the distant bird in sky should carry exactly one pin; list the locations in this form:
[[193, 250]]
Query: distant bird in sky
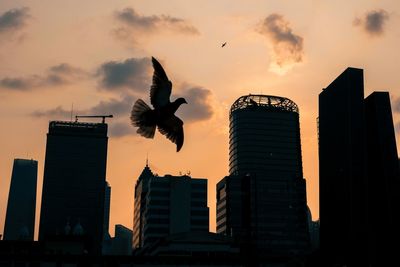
[[224, 44], [163, 114]]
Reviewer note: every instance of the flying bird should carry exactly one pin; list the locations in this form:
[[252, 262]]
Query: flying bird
[[163, 115], [224, 44]]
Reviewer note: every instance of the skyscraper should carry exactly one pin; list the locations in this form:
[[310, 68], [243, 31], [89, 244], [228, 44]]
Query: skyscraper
[[265, 193], [21, 206], [74, 180], [383, 178], [168, 205], [359, 174], [342, 168]]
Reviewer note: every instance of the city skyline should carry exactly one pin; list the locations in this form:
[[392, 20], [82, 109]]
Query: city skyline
[[57, 54]]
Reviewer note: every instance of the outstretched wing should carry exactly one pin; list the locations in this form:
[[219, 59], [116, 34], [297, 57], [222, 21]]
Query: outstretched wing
[[172, 128], [160, 90]]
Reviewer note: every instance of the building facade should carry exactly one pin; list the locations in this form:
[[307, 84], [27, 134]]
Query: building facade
[[263, 200], [21, 205], [168, 205], [74, 180], [141, 188]]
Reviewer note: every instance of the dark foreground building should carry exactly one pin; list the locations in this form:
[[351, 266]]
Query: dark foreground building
[[342, 168], [262, 203], [358, 174], [383, 178], [74, 181], [21, 205]]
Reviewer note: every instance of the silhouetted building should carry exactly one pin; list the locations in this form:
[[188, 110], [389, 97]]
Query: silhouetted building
[[168, 205], [383, 178], [233, 208], [359, 174], [263, 200], [122, 241], [74, 180], [141, 189], [342, 168], [21, 205]]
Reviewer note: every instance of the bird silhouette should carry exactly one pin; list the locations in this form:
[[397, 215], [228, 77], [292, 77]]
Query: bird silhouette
[[224, 44], [163, 115]]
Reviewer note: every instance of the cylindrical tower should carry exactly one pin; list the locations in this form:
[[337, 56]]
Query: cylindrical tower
[[264, 145], [264, 137]]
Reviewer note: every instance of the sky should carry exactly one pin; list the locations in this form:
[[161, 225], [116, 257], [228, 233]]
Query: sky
[[59, 58]]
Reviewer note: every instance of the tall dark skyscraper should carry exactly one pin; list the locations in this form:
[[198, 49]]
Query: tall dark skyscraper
[[263, 200], [342, 168], [359, 174], [21, 206], [74, 180], [383, 178], [168, 205]]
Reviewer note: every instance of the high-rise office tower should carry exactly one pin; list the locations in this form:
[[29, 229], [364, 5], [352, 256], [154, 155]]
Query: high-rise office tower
[[74, 180], [359, 174], [263, 200], [168, 205], [383, 178], [342, 168], [21, 206]]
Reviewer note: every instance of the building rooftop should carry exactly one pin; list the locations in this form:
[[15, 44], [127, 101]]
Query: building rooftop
[[59, 127], [268, 102]]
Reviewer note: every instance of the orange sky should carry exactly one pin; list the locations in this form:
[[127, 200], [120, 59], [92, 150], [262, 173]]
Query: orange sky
[[95, 54]]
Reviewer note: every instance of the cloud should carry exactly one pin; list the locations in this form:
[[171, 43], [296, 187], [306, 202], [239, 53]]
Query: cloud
[[20, 83], [64, 74], [199, 107], [373, 22], [61, 74], [14, 19], [134, 26], [116, 107], [288, 47], [58, 112], [130, 18], [133, 73]]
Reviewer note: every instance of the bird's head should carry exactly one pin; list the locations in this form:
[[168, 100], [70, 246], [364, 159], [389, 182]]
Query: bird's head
[[181, 101]]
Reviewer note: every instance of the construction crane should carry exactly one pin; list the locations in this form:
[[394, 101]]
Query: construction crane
[[94, 116]]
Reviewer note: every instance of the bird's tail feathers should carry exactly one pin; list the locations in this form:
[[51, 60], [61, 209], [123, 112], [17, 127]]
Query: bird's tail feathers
[[142, 116]]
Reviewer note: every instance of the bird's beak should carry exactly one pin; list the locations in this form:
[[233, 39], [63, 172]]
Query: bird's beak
[[185, 102]]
